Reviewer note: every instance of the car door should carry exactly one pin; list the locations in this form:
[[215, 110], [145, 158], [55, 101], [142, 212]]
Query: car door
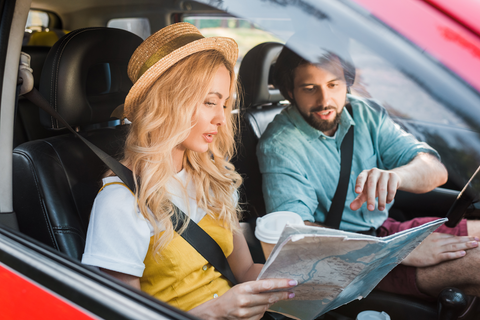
[[36, 281]]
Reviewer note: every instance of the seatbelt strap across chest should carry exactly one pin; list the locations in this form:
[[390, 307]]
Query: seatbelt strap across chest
[[334, 216]]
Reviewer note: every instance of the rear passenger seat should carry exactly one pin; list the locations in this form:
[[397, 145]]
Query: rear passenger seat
[[27, 120]]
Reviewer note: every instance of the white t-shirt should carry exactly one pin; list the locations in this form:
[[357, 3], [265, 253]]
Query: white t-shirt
[[118, 235]]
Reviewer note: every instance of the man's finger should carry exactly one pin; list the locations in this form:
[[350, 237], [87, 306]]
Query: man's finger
[[382, 187], [358, 202], [452, 255], [360, 184], [392, 189], [371, 184], [460, 246]]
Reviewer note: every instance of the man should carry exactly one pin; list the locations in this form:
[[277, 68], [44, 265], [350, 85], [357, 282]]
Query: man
[[299, 157]]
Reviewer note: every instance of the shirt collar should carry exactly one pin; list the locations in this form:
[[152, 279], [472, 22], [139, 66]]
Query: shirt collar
[[299, 122]]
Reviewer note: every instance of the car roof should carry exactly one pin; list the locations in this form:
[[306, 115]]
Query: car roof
[[465, 12]]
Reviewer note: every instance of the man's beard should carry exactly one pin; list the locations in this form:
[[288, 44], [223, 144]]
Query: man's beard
[[322, 125]]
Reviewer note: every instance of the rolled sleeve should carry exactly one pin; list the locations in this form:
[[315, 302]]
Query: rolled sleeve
[[397, 147]]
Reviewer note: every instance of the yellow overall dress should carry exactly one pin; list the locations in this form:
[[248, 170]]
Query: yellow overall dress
[[181, 276]]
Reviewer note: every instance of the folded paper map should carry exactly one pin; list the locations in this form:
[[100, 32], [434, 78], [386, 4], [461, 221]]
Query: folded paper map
[[334, 267]]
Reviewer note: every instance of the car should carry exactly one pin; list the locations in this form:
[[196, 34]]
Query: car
[[419, 59]]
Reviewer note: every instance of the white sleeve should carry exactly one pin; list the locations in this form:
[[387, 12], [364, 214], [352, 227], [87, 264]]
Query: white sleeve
[[118, 236]]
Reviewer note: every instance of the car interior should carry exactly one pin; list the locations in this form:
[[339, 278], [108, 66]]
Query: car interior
[[84, 77]]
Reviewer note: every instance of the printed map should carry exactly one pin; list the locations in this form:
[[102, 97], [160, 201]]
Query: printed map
[[334, 267]]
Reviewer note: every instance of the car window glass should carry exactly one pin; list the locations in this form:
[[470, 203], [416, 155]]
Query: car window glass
[[139, 26], [37, 20], [246, 34], [421, 94], [404, 99], [418, 111]]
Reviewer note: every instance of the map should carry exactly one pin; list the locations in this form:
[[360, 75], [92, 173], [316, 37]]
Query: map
[[334, 267]]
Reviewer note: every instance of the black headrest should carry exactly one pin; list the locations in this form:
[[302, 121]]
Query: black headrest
[[85, 75], [38, 55], [255, 75]]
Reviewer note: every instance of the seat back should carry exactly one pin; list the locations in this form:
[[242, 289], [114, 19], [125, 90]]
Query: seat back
[[261, 104], [55, 180]]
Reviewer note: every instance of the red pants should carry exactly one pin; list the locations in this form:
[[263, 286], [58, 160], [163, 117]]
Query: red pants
[[402, 279]]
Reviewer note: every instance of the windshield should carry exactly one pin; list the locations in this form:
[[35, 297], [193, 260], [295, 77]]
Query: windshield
[[420, 94]]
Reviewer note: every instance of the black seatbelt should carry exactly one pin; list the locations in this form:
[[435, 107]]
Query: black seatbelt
[[334, 216], [119, 169], [193, 234], [206, 246]]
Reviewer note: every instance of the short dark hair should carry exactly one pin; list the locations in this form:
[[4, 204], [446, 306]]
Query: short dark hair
[[288, 61], [284, 71]]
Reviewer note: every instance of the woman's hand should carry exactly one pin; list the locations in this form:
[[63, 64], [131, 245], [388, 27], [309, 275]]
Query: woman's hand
[[439, 247], [247, 300]]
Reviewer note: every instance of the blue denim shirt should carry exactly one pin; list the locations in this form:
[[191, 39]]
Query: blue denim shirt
[[300, 165]]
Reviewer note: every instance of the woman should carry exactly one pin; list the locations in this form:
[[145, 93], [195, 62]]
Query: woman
[[180, 137]]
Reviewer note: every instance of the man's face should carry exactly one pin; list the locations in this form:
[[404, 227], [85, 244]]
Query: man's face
[[320, 94]]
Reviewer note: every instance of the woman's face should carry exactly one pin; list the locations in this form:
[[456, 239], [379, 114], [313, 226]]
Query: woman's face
[[210, 113]]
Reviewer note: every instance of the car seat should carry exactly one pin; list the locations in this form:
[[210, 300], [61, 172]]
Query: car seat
[[260, 105], [47, 37], [56, 179]]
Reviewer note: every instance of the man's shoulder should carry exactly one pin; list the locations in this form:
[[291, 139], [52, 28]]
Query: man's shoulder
[[366, 105], [367, 112], [280, 130]]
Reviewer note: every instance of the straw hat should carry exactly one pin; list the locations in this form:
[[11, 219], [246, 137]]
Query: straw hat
[[162, 50]]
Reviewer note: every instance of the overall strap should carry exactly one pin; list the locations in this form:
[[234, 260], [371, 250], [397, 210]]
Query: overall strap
[[334, 216], [205, 245]]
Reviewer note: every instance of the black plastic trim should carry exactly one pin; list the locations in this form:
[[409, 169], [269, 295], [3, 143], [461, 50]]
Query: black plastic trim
[[9, 219]]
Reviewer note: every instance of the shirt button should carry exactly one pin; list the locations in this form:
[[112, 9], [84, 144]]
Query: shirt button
[[323, 138], [371, 220], [215, 296], [353, 172], [205, 268]]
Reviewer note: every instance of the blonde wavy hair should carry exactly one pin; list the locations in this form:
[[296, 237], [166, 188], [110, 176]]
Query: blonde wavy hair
[[160, 123]]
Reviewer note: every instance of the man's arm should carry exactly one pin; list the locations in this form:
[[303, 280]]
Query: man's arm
[[424, 173]]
